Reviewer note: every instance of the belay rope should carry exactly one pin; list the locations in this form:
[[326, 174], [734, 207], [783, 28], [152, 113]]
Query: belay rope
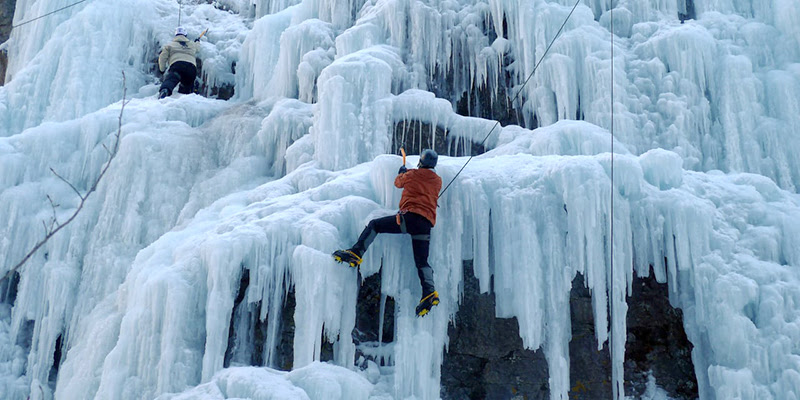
[[44, 15], [614, 388], [180, 8], [515, 96]]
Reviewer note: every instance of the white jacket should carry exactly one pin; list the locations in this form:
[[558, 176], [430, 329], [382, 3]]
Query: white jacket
[[179, 49]]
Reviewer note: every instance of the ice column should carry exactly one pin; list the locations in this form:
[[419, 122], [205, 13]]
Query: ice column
[[353, 118]]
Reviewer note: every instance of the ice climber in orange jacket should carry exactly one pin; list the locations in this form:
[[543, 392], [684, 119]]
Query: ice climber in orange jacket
[[416, 217]]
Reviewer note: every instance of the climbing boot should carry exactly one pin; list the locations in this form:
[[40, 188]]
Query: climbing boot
[[163, 93], [347, 256], [427, 303]]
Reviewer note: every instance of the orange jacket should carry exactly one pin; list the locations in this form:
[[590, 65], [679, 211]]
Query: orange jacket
[[420, 192]]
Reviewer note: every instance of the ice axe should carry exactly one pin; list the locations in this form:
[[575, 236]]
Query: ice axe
[[399, 216], [201, 35]]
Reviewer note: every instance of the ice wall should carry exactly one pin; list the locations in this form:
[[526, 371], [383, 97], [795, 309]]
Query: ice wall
[[701, 88], [64, 58], [92, 256], [714, 107], [140, 289], [281, 230]]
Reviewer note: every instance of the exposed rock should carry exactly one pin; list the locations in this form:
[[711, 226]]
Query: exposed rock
[[486, 359], [8, 288], [223, 91], [483, 103], [3, 66], [416, 136], [6, 19], [284, 358], [689, 12], [247, 346], [589, 369], [368, 313], [657, 342]]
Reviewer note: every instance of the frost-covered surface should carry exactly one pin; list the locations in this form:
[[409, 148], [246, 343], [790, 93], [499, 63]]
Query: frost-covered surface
[[12, 359], [317, 381], [141, 287]]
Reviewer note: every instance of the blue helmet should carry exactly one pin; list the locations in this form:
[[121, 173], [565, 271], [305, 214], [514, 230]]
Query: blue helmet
[[428, 159]]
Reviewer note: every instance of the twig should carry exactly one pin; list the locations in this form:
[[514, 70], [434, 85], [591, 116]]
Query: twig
[[54, 221], [83, 198], [67, 182], [40, 390]]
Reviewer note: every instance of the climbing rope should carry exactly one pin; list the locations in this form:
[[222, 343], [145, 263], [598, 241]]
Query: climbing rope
[[45, 15], [517, 95], [615, 389], [75, 4]]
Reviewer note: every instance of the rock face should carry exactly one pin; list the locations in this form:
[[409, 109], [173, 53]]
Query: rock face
[[6, 18], [657, 342], [486, 359], [415, 136]]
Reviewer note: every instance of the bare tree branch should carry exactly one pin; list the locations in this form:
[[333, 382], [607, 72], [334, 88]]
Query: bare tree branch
[[54, 220], [67, 182], [51, 232]]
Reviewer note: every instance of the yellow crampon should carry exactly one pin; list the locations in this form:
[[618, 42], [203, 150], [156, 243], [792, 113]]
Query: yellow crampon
[[427, 302], [347, 256]]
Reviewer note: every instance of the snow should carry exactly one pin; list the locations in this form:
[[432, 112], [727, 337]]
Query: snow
[[319, 381], [141, 288]]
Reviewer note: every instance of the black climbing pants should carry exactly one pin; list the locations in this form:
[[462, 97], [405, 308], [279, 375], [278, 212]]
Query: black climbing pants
[[179, 72], [420, 230]]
